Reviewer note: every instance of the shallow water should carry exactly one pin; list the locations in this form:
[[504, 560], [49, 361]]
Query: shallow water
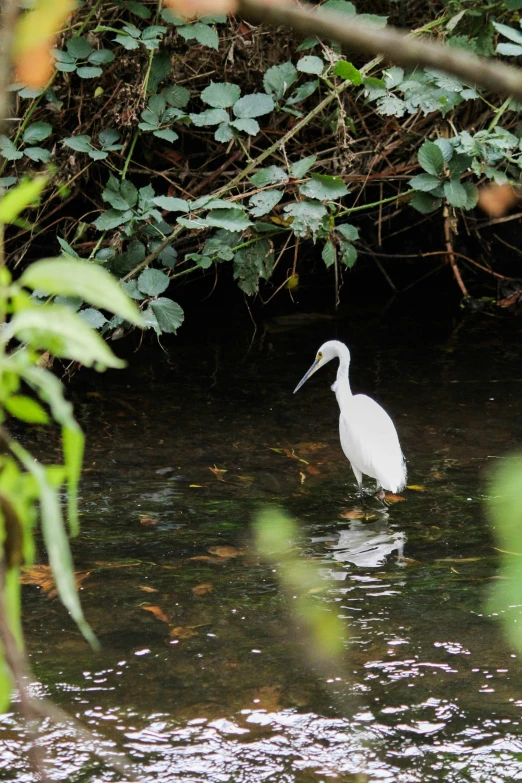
[[218, 683]]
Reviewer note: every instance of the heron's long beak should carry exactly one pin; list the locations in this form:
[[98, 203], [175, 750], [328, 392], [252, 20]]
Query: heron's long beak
[[313, 368]]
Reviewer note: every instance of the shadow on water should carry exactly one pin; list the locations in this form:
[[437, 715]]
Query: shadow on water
[[203, 675]]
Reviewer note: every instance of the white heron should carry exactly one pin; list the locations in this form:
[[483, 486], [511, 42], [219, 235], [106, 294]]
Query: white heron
[[368, 435]]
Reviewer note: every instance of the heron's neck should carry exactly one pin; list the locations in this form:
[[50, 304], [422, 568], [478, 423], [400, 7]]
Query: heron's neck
[[341, 386]]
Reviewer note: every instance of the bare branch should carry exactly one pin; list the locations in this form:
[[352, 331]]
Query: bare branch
[[395, 44]]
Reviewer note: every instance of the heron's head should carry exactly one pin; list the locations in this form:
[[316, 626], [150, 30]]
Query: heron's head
[[329, 350]]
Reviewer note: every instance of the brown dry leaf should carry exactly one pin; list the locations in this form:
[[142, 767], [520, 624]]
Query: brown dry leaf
[[183, 632], [311, 448], [225, 551], [353, 513], [496, 200], [292, 455], [189, 9], [158, 613], [208, 559], [203, 589], [218, 473], [148, 521], [147, 589], [313, 470], [42, 576], [95, 395], [509, 301], [35, 36], [457, 559], [391, 498], [416, 487]]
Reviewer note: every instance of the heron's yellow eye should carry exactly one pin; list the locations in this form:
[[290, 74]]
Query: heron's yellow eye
[[319, 356]]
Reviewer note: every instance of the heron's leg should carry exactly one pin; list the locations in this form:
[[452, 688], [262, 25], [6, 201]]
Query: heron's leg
[[358, 477]]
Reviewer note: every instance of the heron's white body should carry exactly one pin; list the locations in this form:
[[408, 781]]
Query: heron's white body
[[368, 436]]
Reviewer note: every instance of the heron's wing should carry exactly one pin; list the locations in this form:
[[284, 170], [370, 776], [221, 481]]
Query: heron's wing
[[369, 440]]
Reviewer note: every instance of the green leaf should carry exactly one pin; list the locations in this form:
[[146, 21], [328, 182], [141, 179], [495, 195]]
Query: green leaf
[[301, 167], [112, 218], [233, 219], [472, 194], [20, 197], [303, 91], [71, 277], [390, 105], [171, 203], [129, 192], [310, 64], [348, 254], [348, 72], [217, 203], [446, 148], [271, 175], [139, 9], [166, 134], [102, 57], [57, 329], [193, 223], [88, 71], [279, 78], [509, 50], [224, 133], [308, 217], [252, 263], [425, 203], [79, 143], [455, 193], [114, 199], [8, 149], [169, 314], [93, 317], [38, 154], [324, 187], [254, 105], [201, 33], [247, 125], [108, 137], [431, 158], [56, 542], [393, 77], [459, 164], [37, 131], [209, 117], [338, 6], [26, 409], [220, 95], [176, 96], [262, 203], [328, 253], [68, 251], [78, 47], [50, 390], [424, 182], [348, 231], [508, 32], [153, 282]]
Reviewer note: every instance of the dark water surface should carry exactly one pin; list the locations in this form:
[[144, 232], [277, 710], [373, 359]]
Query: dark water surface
[[216, 684]]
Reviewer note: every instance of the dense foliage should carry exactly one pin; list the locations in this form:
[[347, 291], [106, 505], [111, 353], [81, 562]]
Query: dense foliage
[[185, 147]]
